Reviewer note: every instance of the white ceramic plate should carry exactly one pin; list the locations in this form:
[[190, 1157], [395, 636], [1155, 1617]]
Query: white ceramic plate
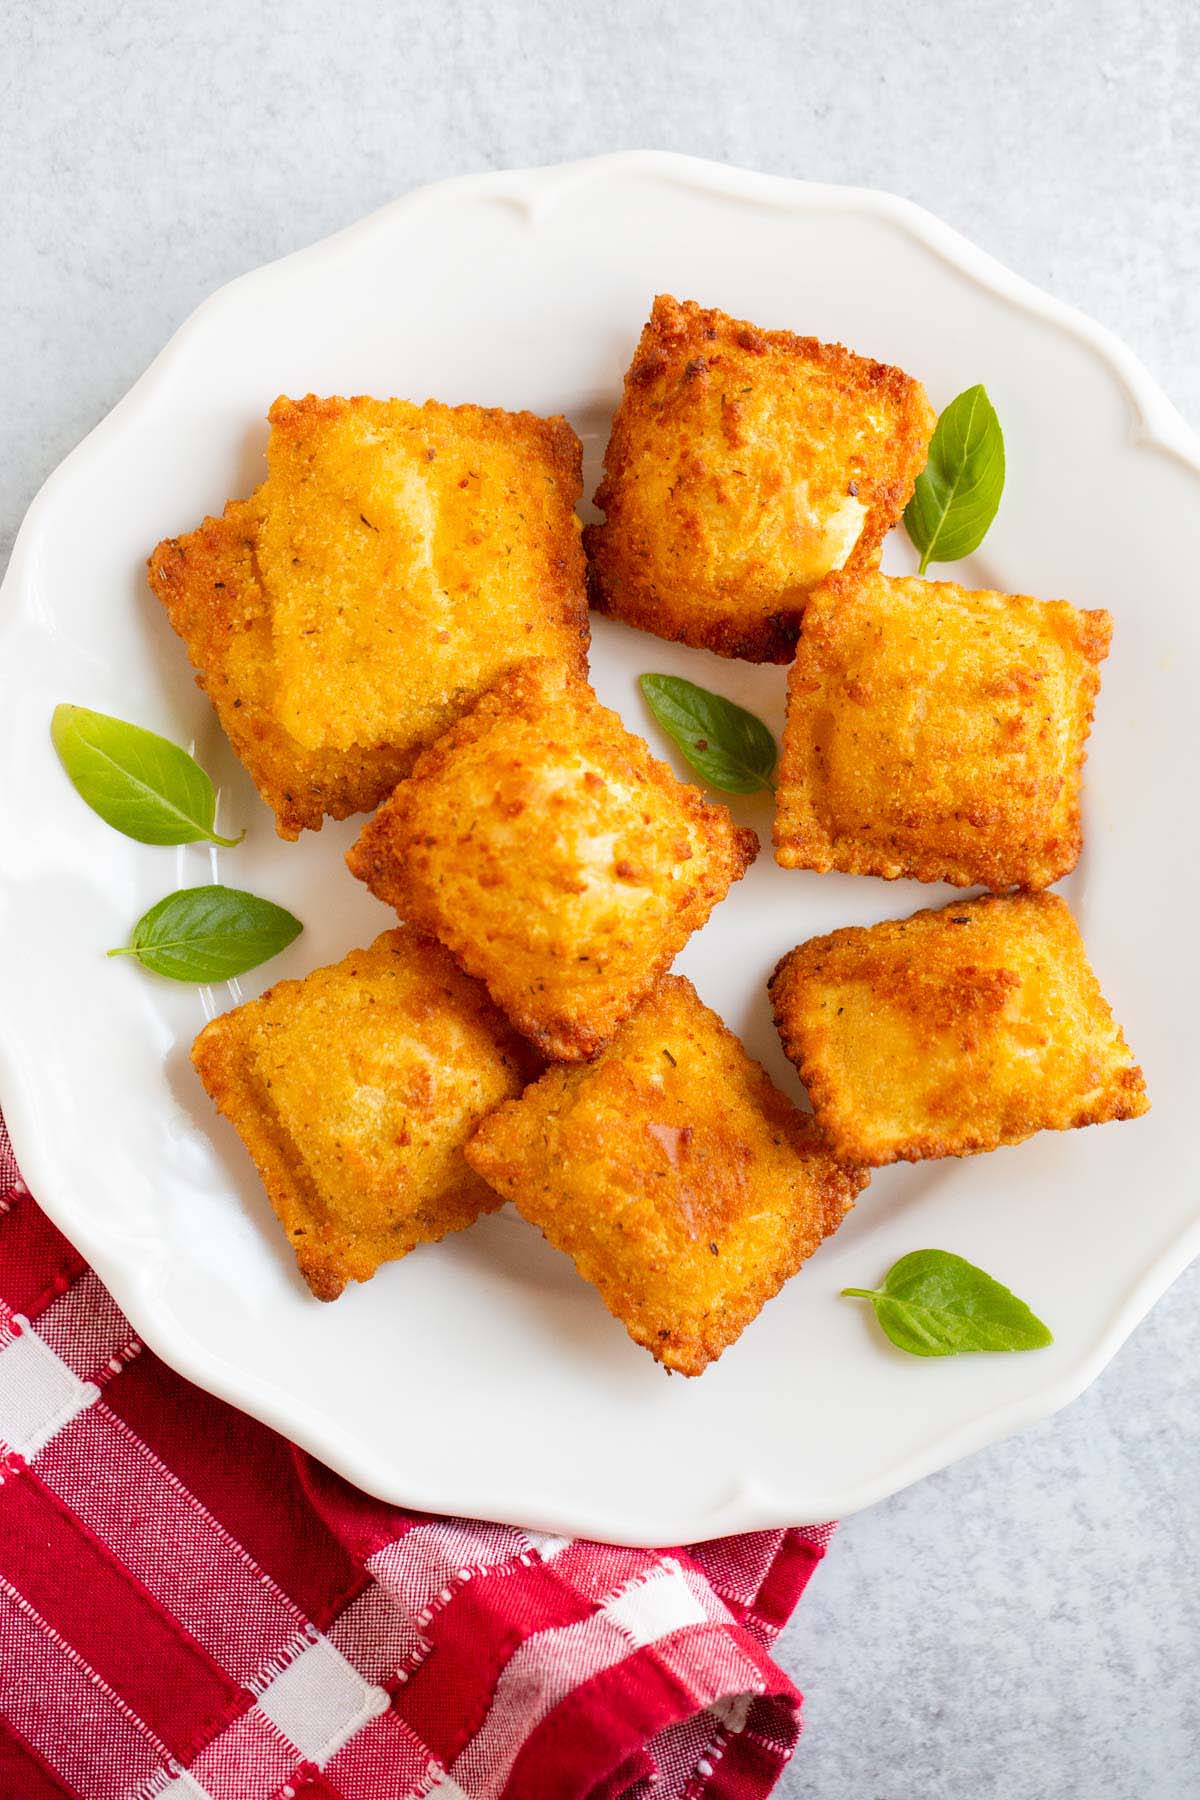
[[481, 1376]]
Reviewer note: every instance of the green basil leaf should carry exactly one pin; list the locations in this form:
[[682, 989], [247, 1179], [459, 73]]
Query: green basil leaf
[[728, 746], [138, 782], [934, 1303], [958, 491], [209, 934]]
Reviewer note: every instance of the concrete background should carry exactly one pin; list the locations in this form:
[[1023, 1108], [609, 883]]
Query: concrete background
[[1028, 1622]]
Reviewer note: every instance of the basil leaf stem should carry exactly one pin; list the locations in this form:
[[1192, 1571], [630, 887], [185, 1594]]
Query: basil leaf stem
[[958, 491], [934, 1303], [209, 934], [139, 783]]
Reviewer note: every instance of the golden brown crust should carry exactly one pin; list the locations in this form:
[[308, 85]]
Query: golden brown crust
[[335, 648], [953, 1031], [412, 554], [558, 860], [679, 1180], [743, 465], [354, 1091], [209, 583], [937, 733]]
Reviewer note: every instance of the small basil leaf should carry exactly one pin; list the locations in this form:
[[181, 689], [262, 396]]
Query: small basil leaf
[[139, 783], [958, 491], [934, 1303], [728, 746], [209, 934]]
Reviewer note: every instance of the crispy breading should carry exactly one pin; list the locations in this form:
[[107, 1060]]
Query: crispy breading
[[937, 733], [556, 858], [679, 1180], [396, 560], [210, 584], [355, 1090], [743, 466], [954, 1031], [412, 553]]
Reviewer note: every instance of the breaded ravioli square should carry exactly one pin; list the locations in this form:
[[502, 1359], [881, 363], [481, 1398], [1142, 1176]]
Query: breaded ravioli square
[[211, 585], [937, 733], [412, 553], [678, 1179], [954, 1031], [394, 562], [743, 466], [355, 1091], [560, 862]]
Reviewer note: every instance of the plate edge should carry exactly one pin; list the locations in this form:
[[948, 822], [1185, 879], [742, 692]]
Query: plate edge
[[1159, 426]]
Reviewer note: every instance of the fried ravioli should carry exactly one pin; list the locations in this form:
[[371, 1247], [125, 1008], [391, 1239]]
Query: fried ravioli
[[954, 1031], [744, 466], [412, 554], [396, 560], [937, 733], [354, 1091], [553, 855], [678, 1179], [210, 584]]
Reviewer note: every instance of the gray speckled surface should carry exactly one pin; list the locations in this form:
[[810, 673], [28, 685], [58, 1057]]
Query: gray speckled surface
[[1028, 1622]]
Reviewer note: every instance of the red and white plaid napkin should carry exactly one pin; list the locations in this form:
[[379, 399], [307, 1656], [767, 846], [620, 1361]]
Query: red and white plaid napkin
[[191, 1607]]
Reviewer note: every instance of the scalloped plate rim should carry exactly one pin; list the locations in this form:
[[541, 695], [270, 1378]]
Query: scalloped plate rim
[[134, 1284]]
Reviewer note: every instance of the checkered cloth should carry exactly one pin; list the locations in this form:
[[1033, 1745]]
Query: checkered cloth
[[191, 1607]]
